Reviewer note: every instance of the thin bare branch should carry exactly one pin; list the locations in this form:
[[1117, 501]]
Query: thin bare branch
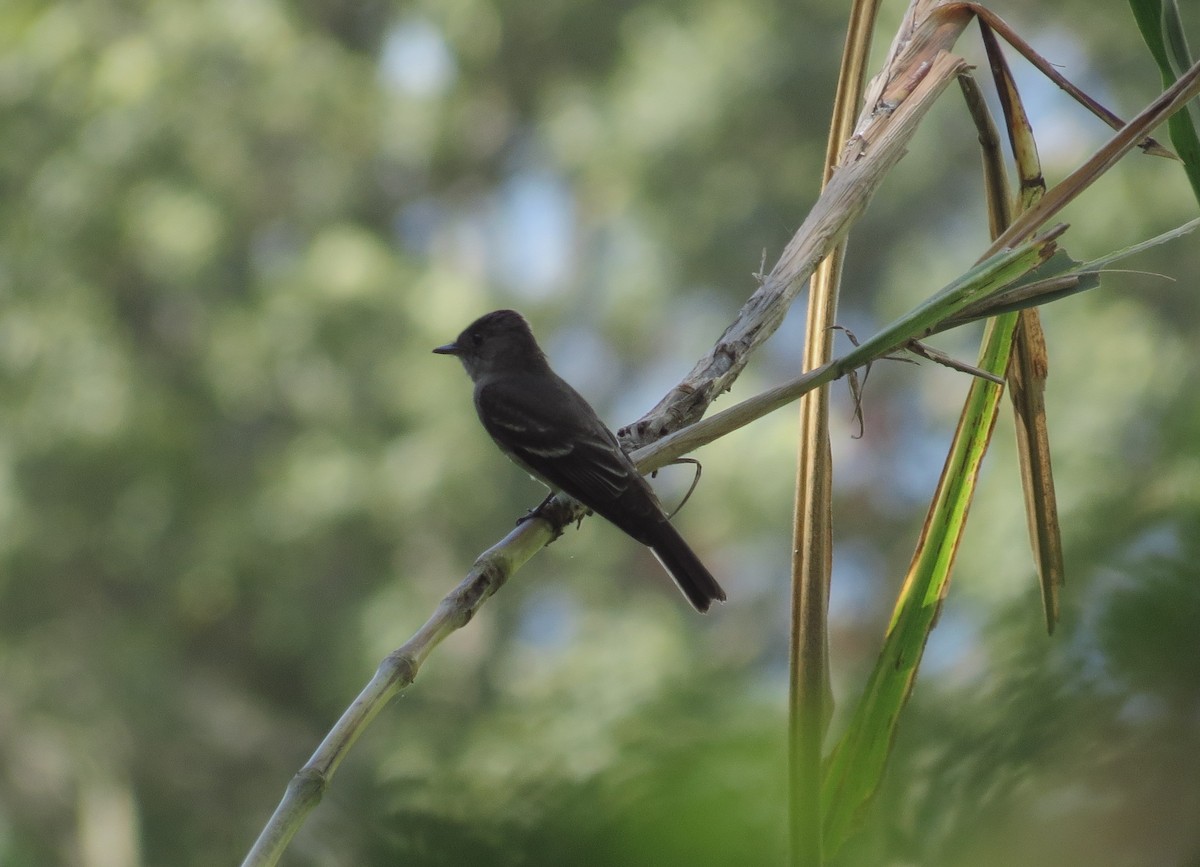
[[939, 357], [989, 19]]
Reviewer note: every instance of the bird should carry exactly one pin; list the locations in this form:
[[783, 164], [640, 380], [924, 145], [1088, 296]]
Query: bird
[[548, 429]]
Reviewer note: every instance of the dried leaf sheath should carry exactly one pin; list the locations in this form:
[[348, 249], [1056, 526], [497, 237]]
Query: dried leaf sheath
[[1027, 372], [1029, 364]]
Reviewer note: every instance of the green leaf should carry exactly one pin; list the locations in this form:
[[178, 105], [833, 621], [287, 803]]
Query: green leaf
[[857, 764], [1162, 29]]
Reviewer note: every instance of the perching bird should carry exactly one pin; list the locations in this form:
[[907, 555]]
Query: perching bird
[[547, 428]]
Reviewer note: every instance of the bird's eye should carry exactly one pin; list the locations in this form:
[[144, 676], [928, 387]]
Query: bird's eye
[[476, 337]]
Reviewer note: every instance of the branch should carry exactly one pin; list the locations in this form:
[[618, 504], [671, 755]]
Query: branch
[[869, 155], [397, 671]]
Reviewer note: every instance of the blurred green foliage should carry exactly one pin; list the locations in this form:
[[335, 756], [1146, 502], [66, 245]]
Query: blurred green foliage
[[232, 477]]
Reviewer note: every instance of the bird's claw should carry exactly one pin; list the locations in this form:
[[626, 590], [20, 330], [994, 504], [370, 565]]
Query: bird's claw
[[536, 511]]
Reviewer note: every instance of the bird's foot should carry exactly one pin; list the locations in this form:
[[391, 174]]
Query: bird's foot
[[537, 511]]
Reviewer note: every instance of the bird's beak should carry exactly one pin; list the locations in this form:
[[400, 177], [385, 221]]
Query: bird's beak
[[448, 349]]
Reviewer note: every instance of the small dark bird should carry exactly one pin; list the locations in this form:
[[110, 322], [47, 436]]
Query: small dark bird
[[548, 429]]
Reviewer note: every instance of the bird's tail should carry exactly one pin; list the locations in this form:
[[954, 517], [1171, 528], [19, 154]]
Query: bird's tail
[[685, 568]]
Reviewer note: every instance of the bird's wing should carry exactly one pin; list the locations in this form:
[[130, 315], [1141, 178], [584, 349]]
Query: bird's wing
[[559, 437]]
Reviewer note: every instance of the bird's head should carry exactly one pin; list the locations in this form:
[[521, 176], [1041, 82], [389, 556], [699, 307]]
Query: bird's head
[[497, 342]]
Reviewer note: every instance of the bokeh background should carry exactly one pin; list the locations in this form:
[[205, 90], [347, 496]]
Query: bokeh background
[[233, 477]]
